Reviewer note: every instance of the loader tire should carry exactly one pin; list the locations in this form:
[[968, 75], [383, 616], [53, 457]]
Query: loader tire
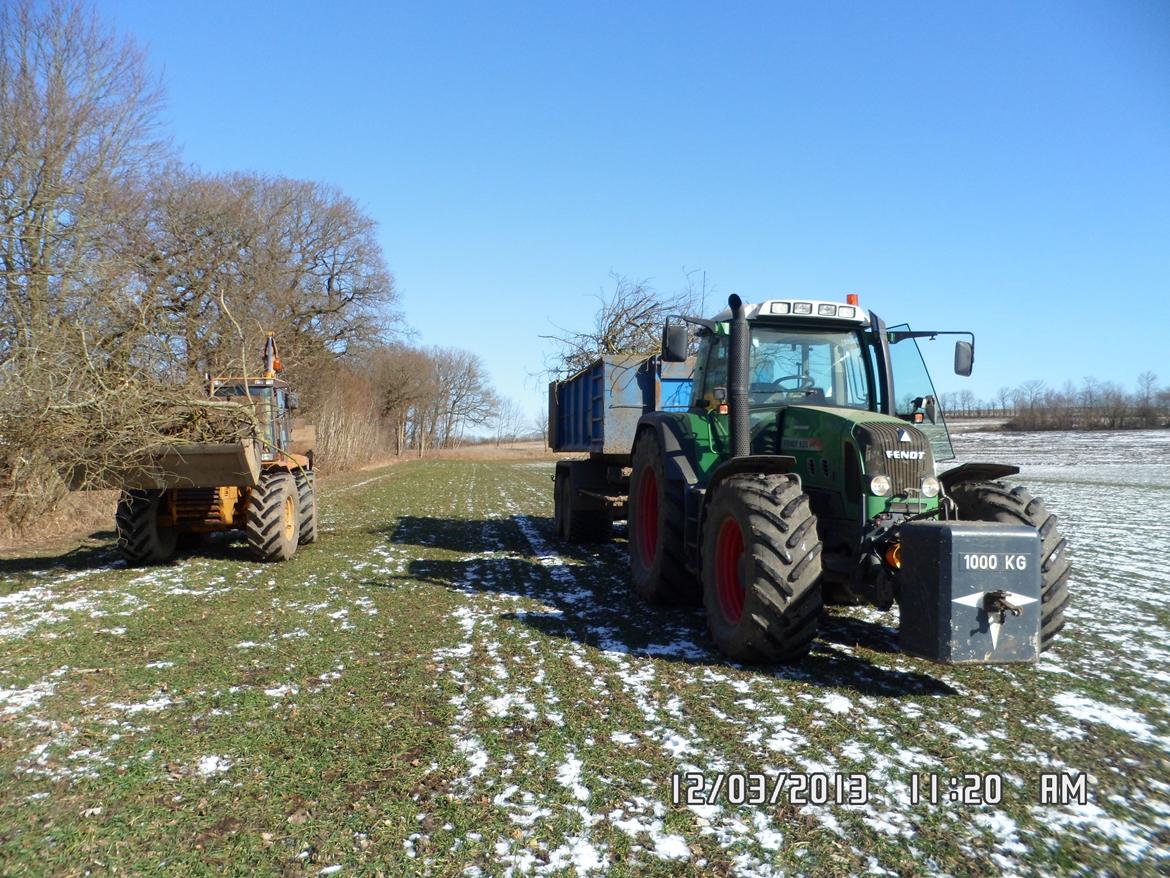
[[573, 523], [762, 568], [996, 501], [656, 520], [140, 539], [273, 522], [307, 501]]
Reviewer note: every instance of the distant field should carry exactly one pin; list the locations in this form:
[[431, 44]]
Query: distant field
[[439, 688]]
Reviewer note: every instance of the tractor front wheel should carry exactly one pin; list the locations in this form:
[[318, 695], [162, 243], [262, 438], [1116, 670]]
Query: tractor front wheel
[[655, 519], [273, 522], [995, 501], [762, 568], [140, 538]]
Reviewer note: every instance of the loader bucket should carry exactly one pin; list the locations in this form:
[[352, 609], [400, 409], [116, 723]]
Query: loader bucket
[[188, 465]]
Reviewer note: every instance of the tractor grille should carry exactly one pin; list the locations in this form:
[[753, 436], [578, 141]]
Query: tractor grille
[[198, 504], [898, 451]]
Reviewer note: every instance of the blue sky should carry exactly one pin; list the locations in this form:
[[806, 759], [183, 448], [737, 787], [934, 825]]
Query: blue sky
[[998, 167]]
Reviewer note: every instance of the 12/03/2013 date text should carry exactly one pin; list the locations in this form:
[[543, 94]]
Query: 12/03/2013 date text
[[752, 788]]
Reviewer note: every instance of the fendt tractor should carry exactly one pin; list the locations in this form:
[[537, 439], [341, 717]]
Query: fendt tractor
[[792, 462], [259, 485]]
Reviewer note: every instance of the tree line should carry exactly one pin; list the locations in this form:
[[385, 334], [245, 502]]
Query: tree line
[[1093, 405], [126, 276]]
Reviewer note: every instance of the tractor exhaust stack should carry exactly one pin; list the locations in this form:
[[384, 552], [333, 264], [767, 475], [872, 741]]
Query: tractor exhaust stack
[[737, 379]]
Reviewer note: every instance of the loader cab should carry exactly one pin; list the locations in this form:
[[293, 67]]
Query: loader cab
[[273, 403]]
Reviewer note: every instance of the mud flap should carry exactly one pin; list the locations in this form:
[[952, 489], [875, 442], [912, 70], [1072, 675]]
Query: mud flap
[[969, 592]]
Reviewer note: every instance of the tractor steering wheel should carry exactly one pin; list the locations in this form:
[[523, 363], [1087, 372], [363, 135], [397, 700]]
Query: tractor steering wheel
[[804, 383]]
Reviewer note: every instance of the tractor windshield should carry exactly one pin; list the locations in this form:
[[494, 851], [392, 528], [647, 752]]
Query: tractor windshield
[[266, 400], [813, 367]]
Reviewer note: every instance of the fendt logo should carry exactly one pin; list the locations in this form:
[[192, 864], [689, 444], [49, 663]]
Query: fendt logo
[[901, 454]]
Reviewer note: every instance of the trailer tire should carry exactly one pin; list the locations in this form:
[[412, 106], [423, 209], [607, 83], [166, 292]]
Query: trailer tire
[[273, 523], [656, 519], [573, 523], [762, 568], [140, 539], [307, 500], [997, 501]]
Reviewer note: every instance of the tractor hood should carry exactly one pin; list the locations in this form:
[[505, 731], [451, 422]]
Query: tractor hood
[[839, 446]]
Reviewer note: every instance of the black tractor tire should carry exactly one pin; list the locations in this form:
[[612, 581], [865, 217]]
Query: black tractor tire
[[762, 568], [273, 518], [307, 500], [656, 519], [996, 501], [573, 523], [140, 539]]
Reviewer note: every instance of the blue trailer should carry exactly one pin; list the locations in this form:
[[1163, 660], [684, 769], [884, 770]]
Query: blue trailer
[[596, 412]]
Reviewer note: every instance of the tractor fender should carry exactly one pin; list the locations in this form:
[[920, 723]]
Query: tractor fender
[[751, 463], [677, 464], [976, 472]]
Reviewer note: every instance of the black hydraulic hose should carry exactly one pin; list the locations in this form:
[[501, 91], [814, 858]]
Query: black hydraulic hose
[[737, 379]]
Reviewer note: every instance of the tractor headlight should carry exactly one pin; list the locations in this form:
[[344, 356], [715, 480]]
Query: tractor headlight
[[930, 487], [880, 486]]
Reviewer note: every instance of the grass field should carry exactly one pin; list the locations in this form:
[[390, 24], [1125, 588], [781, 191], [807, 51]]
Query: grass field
[[439, 688]]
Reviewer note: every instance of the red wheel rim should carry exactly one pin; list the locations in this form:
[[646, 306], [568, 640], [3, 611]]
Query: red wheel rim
[[728, 551], [646, 527]]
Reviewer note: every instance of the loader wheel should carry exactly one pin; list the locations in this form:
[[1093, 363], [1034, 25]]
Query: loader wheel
[[307, 514], [140, 539], [762, 568], [573, 523], [273, 521], [995, 501], [656, 518]]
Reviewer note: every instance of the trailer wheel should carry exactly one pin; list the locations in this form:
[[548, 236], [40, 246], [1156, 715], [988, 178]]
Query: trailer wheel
[[996, 501], [307, 500], [762, 568], [655, 519], [573, 523], [273, 520], [140, 539]]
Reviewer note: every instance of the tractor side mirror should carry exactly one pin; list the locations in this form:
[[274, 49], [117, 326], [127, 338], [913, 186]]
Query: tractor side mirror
[[964, 357], [294, 402], [674, 343]]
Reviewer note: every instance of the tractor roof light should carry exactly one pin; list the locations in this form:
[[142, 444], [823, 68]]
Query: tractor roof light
[[851, 298]]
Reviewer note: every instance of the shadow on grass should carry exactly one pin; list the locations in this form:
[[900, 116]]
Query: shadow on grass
[[101, 554], [587, 599]]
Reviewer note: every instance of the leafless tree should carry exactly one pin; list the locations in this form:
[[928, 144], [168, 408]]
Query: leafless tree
[[628, 320]]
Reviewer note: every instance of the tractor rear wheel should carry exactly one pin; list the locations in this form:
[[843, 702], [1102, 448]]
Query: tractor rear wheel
[[140, 539], [273, 520], [655, 519], [575, 524], [307, 500], [995, 501], [762, 568]]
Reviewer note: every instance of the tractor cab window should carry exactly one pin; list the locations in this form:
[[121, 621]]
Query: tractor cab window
[[912, 384], [714, 371], [268, 406], [795, 366]]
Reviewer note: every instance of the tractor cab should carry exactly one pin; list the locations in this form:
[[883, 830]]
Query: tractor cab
[[271, 398], [825, 355]]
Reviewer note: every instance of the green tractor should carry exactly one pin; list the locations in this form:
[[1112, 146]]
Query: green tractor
[[799, 469]]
